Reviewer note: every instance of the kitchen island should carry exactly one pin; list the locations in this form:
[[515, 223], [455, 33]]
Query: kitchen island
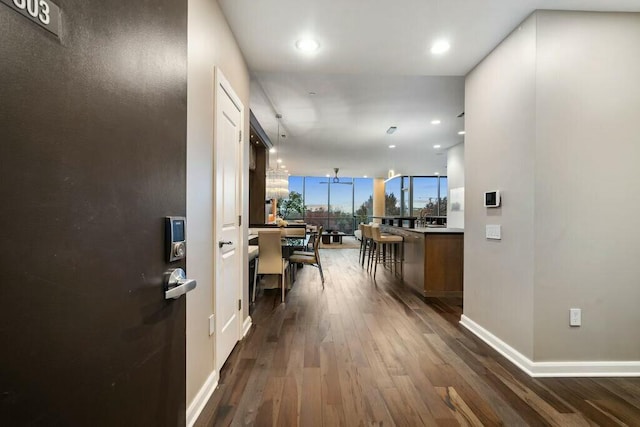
[[433, 259]]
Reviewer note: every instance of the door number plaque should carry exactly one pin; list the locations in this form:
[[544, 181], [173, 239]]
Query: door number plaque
[[43, 12]]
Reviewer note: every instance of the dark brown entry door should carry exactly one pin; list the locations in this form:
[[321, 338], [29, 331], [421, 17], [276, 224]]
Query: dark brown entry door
[[92, 157]]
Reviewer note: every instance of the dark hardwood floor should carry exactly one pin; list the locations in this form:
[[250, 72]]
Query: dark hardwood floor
[[363, 352]]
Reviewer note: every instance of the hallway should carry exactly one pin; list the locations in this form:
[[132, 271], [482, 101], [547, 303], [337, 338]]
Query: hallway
[[373, 353]]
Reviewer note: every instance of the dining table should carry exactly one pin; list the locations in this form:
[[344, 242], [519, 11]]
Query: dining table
[[293, 243], [288, 243]]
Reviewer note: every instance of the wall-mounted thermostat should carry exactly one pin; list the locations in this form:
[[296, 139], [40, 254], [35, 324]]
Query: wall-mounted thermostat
[[492, 199], [175, 238]]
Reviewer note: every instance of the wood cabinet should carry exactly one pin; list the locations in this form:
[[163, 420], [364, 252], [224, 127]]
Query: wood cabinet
[[433, 260], [257, 185]]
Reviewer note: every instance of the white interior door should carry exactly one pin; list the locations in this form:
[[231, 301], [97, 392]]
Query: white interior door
[[227, 143]]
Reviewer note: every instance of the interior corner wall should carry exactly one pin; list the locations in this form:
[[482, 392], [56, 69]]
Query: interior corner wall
[[499, 155], [455, 181], [587, 186], [210, 44]]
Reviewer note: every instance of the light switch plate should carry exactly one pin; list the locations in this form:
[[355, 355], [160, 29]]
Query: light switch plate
[[212, 325], [494, 231]]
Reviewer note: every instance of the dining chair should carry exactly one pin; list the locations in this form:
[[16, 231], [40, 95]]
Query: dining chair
[[310, 258], [293, 231], [312, 240], [270, 259], [312, 231]]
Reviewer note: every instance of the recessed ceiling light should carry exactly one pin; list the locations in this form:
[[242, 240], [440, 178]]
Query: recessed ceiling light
[[288, 174], [307, 45], [282, 167], [461, 132], [327, 175], [436, 173], [392, 146], [435, 122], [436, 146], [312, 93], [272, 150], [251, 135], [279, 160], [440, 47], [364, 176]]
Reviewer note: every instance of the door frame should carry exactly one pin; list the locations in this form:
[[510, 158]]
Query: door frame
[[221, 83]]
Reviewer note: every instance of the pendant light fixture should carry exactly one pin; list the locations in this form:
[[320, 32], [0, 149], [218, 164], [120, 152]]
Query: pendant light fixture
[[277, 181]]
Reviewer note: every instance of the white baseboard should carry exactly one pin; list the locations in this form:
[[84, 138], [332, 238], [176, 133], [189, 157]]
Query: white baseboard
[[201, 399], [553, 369], [246, 326], [209, 386]]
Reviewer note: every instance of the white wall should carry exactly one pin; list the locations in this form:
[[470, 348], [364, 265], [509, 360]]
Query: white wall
[[455, 182], [499, 155], [211, 43], [551, 121], [587, 186]]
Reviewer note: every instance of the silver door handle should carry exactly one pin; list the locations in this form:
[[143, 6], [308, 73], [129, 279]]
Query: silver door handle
[[177, 284], [221, 243]]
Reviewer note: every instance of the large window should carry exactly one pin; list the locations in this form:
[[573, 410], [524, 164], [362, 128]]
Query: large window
[[416, 196], [296, 183], [429, 196], [335, 206], [444, 188], [425, 196], [316, 200], [363, 200], [393, 196], [405, 209], [341, 206], [289, 208]]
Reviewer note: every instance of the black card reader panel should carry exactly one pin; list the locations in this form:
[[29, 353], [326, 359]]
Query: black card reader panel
[[175, 238]]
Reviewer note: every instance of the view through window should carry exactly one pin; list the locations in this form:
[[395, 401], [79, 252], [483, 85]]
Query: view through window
[[392, 196], [335, 206], [429, 196], [363, 200], [342, 206]]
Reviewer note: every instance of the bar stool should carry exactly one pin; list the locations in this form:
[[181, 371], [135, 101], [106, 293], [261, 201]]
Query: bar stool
[[380, 244], [367, 243], [370, 244], [360, 227]]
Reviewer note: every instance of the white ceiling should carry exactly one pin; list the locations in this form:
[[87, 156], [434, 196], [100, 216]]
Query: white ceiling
[[373, 70]]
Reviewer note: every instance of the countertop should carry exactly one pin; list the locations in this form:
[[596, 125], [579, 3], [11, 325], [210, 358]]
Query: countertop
[[431, 230]]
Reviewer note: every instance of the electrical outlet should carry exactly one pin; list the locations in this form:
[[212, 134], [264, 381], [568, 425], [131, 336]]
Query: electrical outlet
[[212, 325], [575, 317]]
